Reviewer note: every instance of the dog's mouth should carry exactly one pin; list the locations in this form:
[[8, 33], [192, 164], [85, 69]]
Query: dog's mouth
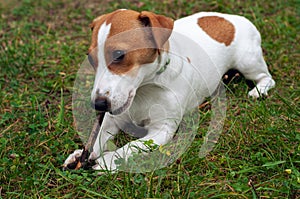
[[125, 105]]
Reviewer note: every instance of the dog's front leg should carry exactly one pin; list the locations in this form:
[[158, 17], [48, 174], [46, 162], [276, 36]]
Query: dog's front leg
[[107, 131], [160, 134]]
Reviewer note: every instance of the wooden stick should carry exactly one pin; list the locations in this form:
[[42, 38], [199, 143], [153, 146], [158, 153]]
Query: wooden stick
[[82, 161]]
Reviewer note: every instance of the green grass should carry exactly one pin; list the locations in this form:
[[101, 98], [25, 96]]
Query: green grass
[[42, 44]]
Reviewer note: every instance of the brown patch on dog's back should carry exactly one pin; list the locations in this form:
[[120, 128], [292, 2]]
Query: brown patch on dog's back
[[218, 28]]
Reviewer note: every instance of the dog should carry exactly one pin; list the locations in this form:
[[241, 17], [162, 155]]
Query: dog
[[147, 64]]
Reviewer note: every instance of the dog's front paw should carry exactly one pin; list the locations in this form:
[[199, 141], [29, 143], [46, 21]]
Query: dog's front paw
[[72, 158], [107, 162]]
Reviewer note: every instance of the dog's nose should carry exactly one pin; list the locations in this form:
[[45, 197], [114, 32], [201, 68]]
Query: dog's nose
[[101, 104]]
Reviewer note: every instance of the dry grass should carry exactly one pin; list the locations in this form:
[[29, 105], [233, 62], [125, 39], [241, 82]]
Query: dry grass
[[42, 44]]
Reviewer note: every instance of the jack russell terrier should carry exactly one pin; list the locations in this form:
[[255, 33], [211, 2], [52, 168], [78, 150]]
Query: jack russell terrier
[[145, 65]]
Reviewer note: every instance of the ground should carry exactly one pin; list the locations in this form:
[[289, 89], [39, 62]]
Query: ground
[[42, 44]]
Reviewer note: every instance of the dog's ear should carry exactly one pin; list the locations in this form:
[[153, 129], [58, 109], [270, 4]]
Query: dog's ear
[[95, 26], [97, 20], [161, 27], [92, 49]]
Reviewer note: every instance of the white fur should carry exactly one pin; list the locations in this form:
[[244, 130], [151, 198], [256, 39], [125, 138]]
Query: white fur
[[162, 99]]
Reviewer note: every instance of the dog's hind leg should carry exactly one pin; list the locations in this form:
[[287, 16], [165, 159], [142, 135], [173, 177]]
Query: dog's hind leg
[[253, 66]]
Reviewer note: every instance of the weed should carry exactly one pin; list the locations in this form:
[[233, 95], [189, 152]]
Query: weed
[[42, 44]]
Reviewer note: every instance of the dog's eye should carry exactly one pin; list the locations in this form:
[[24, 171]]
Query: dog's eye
[[118, 56]]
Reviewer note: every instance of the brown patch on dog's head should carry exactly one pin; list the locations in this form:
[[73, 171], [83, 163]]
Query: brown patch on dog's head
[[128, 35], [218, 28], [132, 36]]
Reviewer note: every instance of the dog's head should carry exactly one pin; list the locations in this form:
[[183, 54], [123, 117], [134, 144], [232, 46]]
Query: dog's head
[[125, 50]]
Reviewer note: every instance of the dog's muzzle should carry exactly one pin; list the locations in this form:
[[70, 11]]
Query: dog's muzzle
[[101, 103]]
